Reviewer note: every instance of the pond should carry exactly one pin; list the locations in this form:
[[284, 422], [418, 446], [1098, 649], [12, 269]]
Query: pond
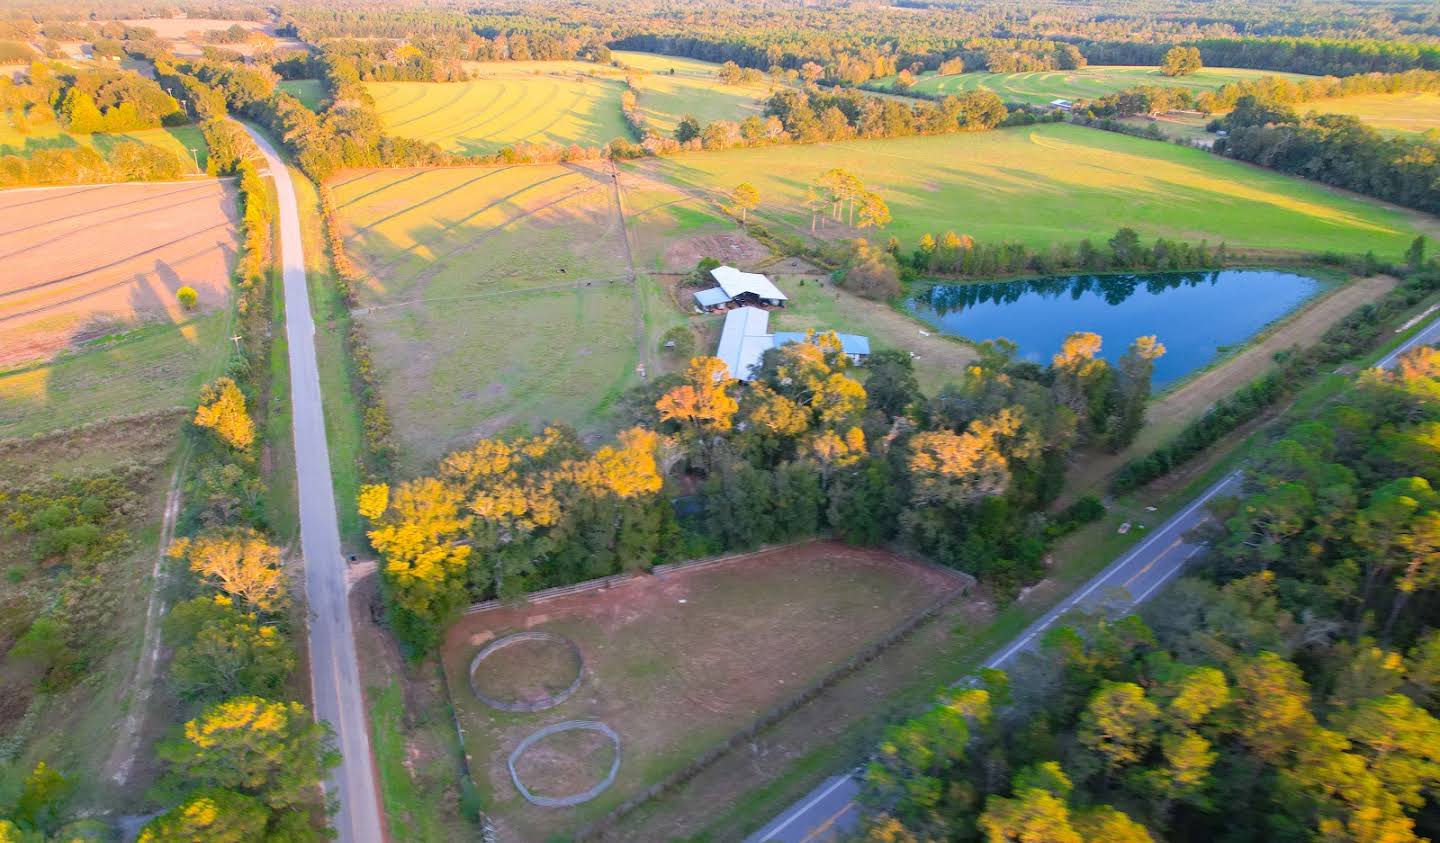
[[1197, 315]]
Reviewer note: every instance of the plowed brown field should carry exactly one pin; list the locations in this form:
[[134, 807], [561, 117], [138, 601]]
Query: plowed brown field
[[81, 262]]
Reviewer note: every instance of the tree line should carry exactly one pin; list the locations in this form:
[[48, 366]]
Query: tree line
[[1286, 690], [711, 465], [1335, 149]]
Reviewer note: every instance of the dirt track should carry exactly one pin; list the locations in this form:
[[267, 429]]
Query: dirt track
[[85, 261]]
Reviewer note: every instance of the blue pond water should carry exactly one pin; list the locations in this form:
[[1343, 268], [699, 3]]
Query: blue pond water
[[1195, 314]]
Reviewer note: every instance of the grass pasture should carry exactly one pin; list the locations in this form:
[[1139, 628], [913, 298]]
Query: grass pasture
[[1051, 183], [676, 664], [503, 298], [494, 111], [1040, 87], [310, 92], [176, 139], [692, 89], [89, 261], [1392, 114]]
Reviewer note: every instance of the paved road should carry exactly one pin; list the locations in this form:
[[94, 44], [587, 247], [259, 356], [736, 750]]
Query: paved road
[[1428, 335], [334, 672], [1132, 578]]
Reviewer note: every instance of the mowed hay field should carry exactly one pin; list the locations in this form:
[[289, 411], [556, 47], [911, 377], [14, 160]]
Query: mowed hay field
[[675, 665], [1052, 183], [1040, 87], [88, 261], [692, 89], [498, 110], [502, 299], [1395, 114]]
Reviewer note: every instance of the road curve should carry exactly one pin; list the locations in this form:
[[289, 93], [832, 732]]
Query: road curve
[[830, 809], [334, 671]]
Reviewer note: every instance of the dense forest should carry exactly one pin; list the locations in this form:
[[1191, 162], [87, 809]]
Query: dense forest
[[1286, 690]]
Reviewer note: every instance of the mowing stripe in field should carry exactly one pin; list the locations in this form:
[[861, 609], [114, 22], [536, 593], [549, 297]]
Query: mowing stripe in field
[[124, 282], [465, 90], [487, 111], [514, 113], [423, 202], [90, 229], [117, 262], [386, 186], [56, 220]]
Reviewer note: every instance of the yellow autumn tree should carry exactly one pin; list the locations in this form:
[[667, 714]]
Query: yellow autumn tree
[[703, 402], [418, 539], [629, 469], [950, 468], [222, 410], [373, 500], [240, 561]]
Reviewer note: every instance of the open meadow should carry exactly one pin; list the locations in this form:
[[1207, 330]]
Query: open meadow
[[674, 664], [671, 88], [503, 298], [85, 262], [498, 110], [1392, 114], [310, 92], [180, 140], [1040, 87], [1050, 183]]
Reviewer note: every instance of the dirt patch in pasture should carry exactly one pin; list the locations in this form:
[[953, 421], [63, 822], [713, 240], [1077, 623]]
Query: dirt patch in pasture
[[676, 663], [82, 262], [735, 249]]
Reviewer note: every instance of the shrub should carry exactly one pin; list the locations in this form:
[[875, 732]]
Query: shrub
[[188, 297]]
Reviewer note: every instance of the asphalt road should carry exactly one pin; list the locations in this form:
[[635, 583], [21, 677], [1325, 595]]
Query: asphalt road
[[1131, 579], [334, 672], [1429, 335]]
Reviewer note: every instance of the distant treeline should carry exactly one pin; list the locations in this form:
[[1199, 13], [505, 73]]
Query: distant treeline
[[1335, 149], [1315, 56], [1153, 99]]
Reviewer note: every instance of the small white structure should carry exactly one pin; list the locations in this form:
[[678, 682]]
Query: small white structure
[[739, 289], [746, 337], [1062, 105]]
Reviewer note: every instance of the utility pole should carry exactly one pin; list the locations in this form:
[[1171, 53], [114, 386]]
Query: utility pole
[[194, 153]]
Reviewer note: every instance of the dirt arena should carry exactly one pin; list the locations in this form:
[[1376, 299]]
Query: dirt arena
[[83, 262]]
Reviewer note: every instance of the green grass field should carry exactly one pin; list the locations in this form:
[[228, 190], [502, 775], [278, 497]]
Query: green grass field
[[1041, 87], [1052, 183], [502, 302], [151, 368], [692, 89], [486, 114], [310, 92], [177, 139], [1393, 114]]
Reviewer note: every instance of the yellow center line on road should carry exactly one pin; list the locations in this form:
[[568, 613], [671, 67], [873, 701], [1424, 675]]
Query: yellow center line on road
[[814, 833], [1151, 563]]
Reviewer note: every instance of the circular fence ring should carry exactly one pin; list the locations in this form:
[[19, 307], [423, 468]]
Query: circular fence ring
[[573, 799], [527, 706]]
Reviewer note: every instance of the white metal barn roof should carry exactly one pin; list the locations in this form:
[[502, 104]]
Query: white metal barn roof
[[734, 282], [744, 339], [712, 297]]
